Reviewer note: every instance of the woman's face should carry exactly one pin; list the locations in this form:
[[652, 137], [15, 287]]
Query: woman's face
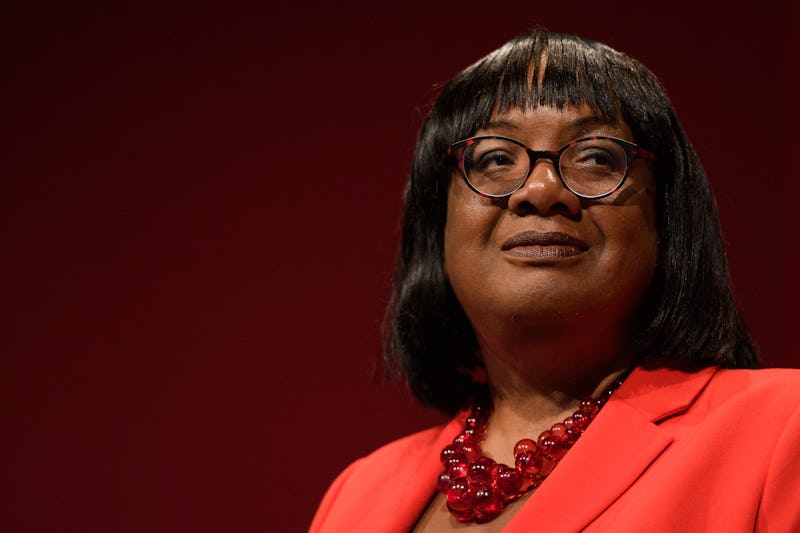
[[543, 256]]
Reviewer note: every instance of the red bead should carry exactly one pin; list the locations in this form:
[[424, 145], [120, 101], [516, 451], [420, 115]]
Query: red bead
[[470, 434], [542, 436], [580, 421], [600, 402], [471, 423], [455, 458], [528, 483], [482, 470], [588, 407], [460, 495], [547, 467], [465, 438], [558, 431], [449, 451], [488, 504], [528, 463], [524, 445], [476, 488], [471, 451], [457, 470], [443, 482], [572, 435], [509, 481], [552, 448]]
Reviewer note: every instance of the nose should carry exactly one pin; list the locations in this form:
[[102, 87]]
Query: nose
[[544, 193]]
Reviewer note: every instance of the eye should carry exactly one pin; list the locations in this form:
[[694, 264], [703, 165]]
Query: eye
[[594, 157], [494, 161], [597, 157]]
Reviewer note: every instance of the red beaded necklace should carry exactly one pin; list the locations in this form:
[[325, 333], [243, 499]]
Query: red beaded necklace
[[477, 488]]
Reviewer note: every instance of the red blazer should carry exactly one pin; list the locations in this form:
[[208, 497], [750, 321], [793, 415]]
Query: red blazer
[[715, 450]]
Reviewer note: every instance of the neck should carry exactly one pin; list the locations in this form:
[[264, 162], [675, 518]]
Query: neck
[[540, 379]]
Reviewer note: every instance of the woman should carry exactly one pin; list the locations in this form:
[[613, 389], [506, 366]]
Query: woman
[[562, 290]]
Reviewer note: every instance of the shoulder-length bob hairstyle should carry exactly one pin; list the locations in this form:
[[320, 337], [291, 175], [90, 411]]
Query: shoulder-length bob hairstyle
[[689, 314]]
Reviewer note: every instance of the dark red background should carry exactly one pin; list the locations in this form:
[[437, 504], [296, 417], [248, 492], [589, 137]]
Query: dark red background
[[199, 218]]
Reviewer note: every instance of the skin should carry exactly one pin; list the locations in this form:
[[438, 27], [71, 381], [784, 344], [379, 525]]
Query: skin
[[553, 323]]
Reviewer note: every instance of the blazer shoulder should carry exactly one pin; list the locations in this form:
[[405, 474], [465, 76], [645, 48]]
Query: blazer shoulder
[[775, 382], [404, 466], [420, 440], [768, 397], [400, 455]]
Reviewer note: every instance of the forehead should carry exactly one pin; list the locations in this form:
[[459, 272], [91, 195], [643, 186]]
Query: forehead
[[546, 123]]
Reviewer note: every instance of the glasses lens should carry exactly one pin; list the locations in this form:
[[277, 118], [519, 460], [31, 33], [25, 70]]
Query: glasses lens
[[594, 167], [495, 167]]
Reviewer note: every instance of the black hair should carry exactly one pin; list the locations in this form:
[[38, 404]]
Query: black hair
[[690, 315]]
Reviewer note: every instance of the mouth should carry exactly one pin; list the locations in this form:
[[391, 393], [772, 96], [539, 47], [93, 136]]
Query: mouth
[[544, 246]]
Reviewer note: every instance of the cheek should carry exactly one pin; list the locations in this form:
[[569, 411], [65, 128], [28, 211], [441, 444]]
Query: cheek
[[645, 228], [632, 245], [468, 228]]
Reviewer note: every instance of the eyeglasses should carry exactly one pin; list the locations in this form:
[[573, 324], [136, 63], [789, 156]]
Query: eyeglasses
[[590, 167]]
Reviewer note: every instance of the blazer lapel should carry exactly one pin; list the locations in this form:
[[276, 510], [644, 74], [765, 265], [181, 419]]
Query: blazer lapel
[[411, 484], [619, 445]]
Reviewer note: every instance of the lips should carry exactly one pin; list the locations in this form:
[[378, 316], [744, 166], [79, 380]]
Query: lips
[[547, 246]]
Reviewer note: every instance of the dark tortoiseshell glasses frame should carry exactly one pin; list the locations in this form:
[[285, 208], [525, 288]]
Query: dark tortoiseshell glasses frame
[[578, 174]]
